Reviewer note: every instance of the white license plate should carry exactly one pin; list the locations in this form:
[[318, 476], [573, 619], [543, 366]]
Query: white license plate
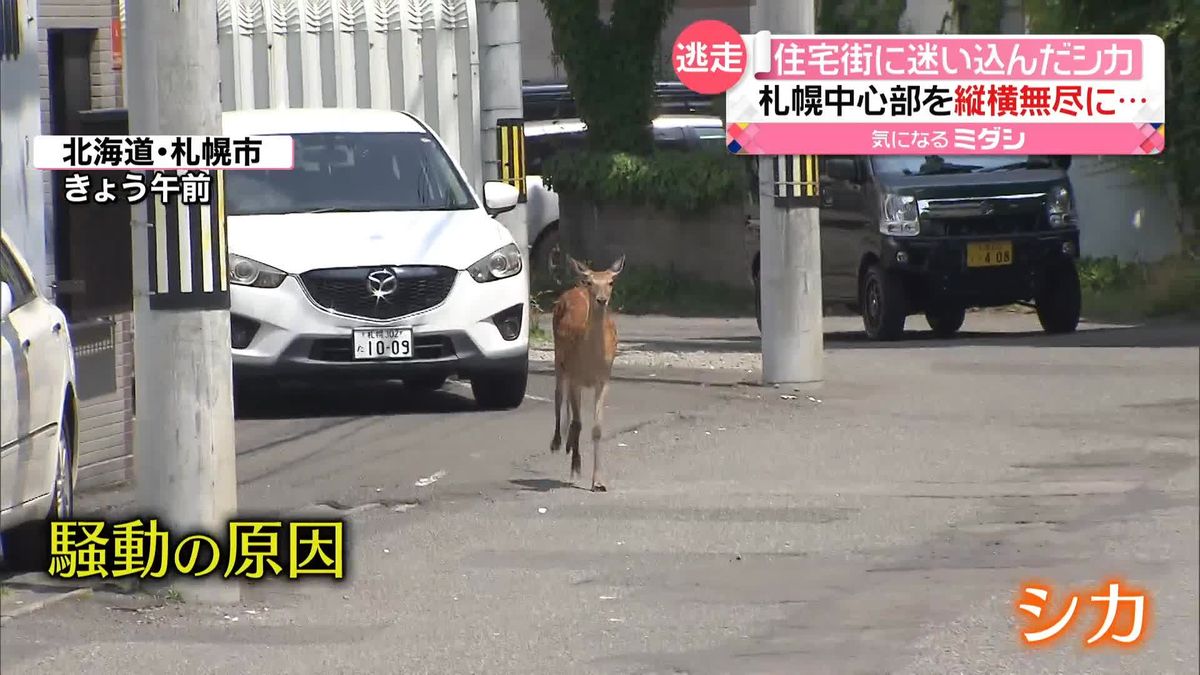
[[378, 344]]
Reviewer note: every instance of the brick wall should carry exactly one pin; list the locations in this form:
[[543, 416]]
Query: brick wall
[[105, 422]]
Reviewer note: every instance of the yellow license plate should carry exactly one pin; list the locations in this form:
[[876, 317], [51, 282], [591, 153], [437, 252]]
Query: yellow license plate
[[989, 253]]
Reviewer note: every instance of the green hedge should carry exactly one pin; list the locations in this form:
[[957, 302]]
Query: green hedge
[[683, 182]]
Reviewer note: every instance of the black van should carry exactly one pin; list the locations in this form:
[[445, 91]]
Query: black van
[[933, 235]]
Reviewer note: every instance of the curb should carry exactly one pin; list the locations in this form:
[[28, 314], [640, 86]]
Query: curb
[[632, 377], [45, 602]]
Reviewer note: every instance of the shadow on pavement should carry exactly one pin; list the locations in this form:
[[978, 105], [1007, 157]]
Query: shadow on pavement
[[1145, 336], [542, 484], [298, 401]]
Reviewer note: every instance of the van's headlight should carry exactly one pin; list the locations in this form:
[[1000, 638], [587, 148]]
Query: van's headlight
[[502, 263], [900, 217], [246, 272], [1060, 207]]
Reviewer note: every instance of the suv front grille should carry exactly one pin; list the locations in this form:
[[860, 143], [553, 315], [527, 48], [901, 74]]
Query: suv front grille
[[379, 292], [1002, 214], [985, 225]]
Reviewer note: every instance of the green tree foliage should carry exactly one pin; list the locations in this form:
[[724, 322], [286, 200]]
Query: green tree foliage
[[859, 17], [610, 66], [681, 182], [1177, 22], [978, 17]]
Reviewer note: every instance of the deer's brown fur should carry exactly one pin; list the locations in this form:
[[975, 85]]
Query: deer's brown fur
[[585, 344]]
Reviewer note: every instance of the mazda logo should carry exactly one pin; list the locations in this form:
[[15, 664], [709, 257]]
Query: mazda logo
[[987, 208], [382, 283]]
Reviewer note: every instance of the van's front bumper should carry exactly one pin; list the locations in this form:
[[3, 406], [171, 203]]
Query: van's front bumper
[[280, 333], [938, 271]]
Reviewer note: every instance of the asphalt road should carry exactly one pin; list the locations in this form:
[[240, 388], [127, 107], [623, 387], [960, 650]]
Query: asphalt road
[[883, 523]]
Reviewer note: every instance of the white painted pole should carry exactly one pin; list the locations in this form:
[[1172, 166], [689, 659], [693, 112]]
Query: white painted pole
[[343, 52], [790, 246], [310, 53], [468, 96], [183, 431], [378, 20], [500, 91], [447, 72], [242, 43], [412, 30], [275, 23]]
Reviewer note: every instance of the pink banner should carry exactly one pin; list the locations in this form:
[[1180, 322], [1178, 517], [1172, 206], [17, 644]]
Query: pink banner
[[929, 58], [945, 139]]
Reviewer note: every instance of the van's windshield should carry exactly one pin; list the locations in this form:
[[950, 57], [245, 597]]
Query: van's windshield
[[924, 165], [352, 172]]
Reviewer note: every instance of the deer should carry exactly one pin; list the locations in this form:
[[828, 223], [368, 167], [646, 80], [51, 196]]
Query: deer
[[585, 345]]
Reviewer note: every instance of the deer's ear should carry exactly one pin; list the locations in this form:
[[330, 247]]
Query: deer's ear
[[577, 267], [618, 265]]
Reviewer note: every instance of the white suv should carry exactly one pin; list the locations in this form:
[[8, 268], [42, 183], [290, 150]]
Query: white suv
[[38, 437], [372, 258]]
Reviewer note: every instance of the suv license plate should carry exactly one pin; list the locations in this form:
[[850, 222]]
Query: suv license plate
[[378, 344], [989, 253]]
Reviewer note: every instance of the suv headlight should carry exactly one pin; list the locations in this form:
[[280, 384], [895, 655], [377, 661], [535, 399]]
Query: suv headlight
[[502, 263], [246, 272], [900, 216], [1060, 207]]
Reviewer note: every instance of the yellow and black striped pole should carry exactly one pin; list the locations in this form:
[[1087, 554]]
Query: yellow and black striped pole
[[188, 252], [797, 181], [510, 153]]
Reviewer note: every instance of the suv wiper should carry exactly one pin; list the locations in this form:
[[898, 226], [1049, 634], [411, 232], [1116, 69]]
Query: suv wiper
[[943, 168], [1023, 164], [342, 209]]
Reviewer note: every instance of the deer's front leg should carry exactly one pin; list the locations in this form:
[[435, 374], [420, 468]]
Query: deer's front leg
[[574, 398], [597, 432]]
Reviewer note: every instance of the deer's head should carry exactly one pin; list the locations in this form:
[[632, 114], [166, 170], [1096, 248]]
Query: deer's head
[[599, 283]]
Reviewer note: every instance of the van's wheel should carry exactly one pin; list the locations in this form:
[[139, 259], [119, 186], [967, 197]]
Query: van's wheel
[[884, 304], [503, 390], [1059, 301], [758, 303], [945, 321], [548, 260]]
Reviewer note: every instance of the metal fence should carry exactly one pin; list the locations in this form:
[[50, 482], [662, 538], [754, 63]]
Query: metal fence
[[420, 56]]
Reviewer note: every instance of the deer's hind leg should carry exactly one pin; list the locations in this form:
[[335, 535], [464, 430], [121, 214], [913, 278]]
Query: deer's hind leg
[[575, 396], [559, 382]]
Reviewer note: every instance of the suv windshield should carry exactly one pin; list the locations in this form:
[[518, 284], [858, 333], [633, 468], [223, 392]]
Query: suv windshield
[[936, 164], [352, 172]]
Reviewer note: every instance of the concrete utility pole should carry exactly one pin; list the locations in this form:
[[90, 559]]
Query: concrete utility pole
[[183, 435], [500, 91], [790, 245]]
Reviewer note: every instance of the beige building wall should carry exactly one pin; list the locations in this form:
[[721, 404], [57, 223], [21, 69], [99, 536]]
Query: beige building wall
[[106, 421]]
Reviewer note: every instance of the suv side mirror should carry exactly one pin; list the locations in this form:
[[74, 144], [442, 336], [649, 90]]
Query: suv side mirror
[[499, 197], [841, 168], [6, 300]]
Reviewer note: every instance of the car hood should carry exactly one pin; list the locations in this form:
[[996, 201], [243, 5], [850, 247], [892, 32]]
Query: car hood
[[938, 186], [298, 242]]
